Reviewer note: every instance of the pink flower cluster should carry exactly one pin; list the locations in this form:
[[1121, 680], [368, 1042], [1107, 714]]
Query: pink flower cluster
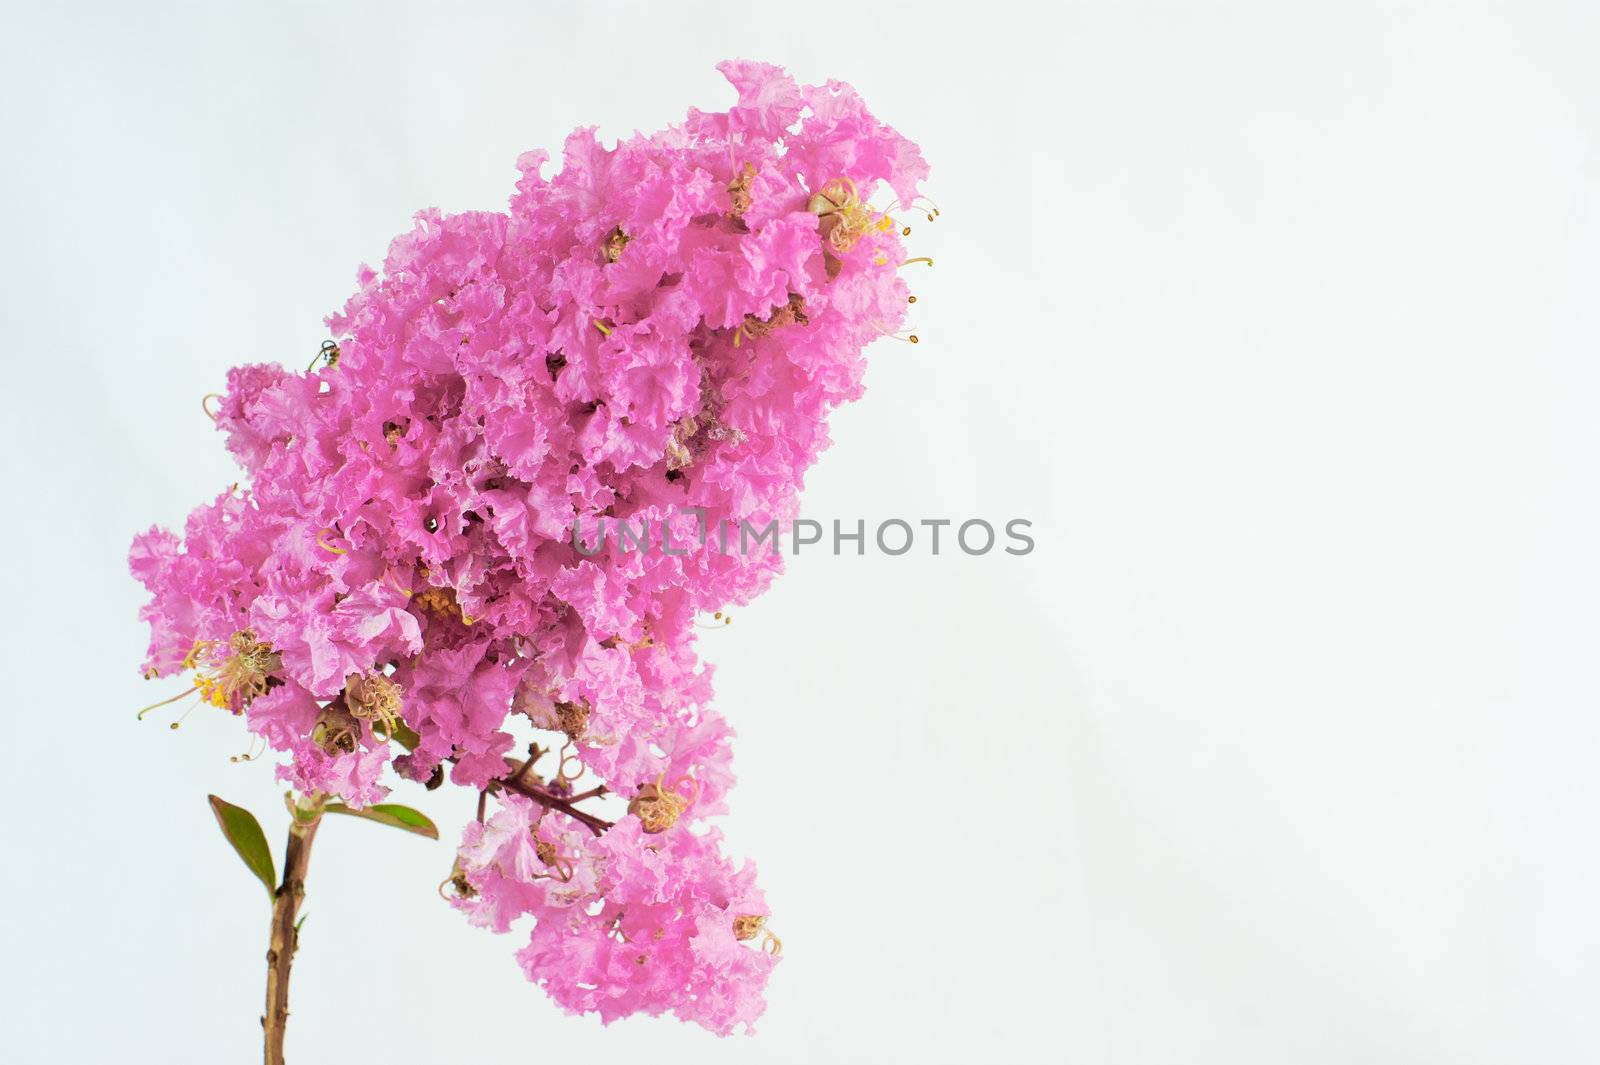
[[663, 325]]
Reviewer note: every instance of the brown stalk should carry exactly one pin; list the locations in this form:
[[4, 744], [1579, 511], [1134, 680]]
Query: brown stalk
[[285, 931], [516, 782]]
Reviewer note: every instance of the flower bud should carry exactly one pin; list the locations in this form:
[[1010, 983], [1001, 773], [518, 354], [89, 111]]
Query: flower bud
[[336, 731]]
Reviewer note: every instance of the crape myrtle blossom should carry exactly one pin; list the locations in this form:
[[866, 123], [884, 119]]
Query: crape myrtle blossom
[[659, 326]]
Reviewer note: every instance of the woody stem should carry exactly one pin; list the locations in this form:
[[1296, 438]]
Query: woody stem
[[514, 782], [285, 933]]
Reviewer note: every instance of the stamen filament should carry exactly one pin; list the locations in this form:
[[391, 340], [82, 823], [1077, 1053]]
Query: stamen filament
[[140, 715]]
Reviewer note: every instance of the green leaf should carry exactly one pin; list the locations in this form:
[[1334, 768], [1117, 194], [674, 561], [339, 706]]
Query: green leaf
[[406, 738], [241, 829], [392, 814]]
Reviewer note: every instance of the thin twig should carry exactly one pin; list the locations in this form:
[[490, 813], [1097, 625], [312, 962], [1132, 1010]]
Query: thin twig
[[515, 783]]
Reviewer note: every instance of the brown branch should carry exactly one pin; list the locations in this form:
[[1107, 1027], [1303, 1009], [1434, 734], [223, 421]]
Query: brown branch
[[515, 782], [285, 933]]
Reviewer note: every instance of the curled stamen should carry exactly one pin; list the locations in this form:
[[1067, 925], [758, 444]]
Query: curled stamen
[[657, 807], [328, 352], [694, 789], [229, 673], [238, 670], [219, 397], [922, 204], [562, 777], [598, 324], [842, 218], [375, 699], [322, 542], [918, 259], [746, 926], [458, 881]]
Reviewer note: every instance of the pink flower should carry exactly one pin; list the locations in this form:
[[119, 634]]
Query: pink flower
[[661, 325]]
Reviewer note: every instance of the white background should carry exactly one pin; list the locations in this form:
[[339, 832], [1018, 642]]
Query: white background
[[1277, 320]]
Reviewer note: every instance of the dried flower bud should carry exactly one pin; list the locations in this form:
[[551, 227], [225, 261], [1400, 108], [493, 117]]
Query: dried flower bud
[[739, 194], [337, 731], [573, 719]]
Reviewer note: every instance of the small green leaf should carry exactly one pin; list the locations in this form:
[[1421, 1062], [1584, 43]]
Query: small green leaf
[[403, 735], [392, 814], [241, 829]]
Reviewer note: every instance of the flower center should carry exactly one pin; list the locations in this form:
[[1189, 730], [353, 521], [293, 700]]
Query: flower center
[[842, 218], [231, 674], [373, 698], [658, 807]]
